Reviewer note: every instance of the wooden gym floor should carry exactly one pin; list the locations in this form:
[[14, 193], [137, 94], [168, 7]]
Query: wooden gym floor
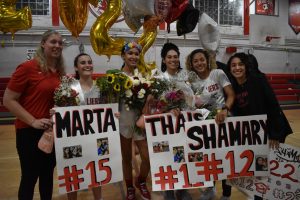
[[10, 169]]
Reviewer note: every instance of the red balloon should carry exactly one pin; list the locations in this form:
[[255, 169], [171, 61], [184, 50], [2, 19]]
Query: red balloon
[[178, 6], [162, 8]]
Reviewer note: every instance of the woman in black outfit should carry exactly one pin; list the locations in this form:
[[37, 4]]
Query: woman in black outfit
[[254, 96]]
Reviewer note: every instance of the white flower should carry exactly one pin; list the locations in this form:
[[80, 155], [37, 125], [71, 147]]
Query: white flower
[[143, 80], [136, 72], [128, 93], [143, 91], [135, 82], [149, 83], [126, 107], [140, 95], [64, 93]]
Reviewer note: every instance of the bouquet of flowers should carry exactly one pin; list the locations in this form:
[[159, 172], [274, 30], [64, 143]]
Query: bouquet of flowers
[[159, 86], [64, 95], [113, 85], [136, 95], [169, 100]]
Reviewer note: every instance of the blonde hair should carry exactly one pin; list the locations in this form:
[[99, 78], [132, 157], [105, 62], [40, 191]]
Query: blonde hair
[[40, 55]]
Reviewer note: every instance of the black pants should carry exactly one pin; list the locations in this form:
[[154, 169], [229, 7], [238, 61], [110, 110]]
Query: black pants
[[226, 189], [35, 164], [257, 198]]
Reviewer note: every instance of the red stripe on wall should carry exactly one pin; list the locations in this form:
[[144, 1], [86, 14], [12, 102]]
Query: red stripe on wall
[[55, 13], [246, 16]]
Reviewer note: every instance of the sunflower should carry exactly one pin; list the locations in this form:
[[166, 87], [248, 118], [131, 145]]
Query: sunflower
[[128, 84], [117, 87], [110, 78]]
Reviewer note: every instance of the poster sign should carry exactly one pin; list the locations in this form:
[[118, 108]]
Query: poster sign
[[87, 146], [187, 151], [167, 150], [265, 7], [284, 179], [236, 148], [294, 15]]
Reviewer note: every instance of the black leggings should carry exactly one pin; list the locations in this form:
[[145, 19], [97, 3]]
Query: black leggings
[[35, 164], [226, 189]]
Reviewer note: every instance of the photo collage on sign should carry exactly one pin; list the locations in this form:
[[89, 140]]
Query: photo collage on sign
[[72, 152]]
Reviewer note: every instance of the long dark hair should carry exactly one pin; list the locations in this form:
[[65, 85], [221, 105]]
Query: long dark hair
[[165, 49], [76, 63], [244, 59], [253, 64]]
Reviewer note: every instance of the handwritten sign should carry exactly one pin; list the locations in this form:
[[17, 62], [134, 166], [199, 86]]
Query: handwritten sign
[[87, 146], [230, 149], [167, 150], [284, 179]]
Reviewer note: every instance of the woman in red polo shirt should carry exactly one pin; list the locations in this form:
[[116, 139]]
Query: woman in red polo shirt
[[29, 96]]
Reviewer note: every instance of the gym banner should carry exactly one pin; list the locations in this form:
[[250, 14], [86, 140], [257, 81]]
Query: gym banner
[[294, 15], [87, 146], [265, 7]]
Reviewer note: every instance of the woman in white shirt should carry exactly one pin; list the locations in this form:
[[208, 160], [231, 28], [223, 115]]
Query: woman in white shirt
[[172, 71], [211, 87], [88, 94]]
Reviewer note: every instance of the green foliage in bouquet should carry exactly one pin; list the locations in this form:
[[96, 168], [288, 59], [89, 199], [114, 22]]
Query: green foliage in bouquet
[[159, 86], [113, 85]]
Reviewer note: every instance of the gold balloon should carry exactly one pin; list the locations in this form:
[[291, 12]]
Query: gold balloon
[[101, 42], [146, 40], [74, 14], [12, 20]]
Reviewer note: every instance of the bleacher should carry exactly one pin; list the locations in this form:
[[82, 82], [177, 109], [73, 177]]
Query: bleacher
[[5, 116], [286, 87]]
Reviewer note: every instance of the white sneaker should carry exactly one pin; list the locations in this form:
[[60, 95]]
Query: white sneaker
[[208, 194]]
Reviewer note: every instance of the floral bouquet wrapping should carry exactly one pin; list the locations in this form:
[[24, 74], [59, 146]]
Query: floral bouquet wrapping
[[159, 86], [113, 85], [170, 100], [64, 95], [136, 95]]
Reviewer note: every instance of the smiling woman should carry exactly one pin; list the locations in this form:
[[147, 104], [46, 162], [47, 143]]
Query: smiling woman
[[29, 96], [131, 54], [88, 94]]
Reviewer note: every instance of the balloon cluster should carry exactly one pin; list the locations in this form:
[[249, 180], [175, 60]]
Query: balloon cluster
[[137, 13], [12, 20], [154, 12], [168, 11]]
